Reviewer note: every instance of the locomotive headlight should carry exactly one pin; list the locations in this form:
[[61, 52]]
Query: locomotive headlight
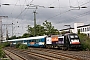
[[74, 41]]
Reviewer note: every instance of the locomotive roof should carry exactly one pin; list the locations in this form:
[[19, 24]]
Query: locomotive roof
[[29, 38]]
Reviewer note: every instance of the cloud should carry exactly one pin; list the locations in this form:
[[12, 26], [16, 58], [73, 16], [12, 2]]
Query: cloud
[[58, 16]]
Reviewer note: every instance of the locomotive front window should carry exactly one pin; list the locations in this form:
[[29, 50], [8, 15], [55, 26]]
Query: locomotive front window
[[73, 36]]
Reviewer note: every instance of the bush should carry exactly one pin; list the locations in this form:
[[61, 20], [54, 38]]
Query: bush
[[17, 45], [23, 46], [2, 45], [2, 54], [5, 44], [85, 41]]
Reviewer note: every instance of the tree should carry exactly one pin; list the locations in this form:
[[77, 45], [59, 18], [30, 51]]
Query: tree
[[46, 29], [27, 35], [30, 30], [39, 30], [49, 28], [12, 37], [79, 31], [85, 41], [63, 32]]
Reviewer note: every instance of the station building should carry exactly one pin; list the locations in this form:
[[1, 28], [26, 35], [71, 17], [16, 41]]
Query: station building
[[79, 26]]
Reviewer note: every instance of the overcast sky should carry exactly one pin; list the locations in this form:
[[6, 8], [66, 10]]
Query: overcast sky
[[64, 13]]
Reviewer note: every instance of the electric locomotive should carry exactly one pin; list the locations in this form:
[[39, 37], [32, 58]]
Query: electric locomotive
[[68, 41]]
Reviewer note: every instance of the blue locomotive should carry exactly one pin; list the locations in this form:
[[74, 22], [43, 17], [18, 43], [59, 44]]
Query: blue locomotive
[[70, 40]]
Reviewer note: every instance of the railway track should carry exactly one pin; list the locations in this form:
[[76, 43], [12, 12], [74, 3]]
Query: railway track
[[13, 56], [49, 54], [79, 55], [35, 55], [53, 54]]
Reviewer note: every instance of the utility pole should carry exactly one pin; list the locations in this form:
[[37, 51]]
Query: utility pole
[[34, 23], [12, 29], [7, 29], [1, 27]]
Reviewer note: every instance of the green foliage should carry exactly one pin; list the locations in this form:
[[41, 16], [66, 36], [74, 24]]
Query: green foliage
[[17, 45], [13, 37], [5, 44], [2, 54], [23, 46], [30, 30], [27, 35], [79, 31], [40, 30], [63, 32], [85, 41], [46, 29], [50, 30]]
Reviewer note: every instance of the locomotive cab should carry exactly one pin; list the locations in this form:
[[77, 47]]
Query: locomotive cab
[[72, 40]]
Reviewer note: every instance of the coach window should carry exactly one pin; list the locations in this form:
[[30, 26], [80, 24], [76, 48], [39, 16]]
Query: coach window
[[37, 41], [40, 40], [25, 41], [14, 42], [32, 40], [29, 40]]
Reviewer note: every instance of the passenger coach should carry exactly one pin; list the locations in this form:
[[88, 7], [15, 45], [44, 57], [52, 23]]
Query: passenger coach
[[37, 41]]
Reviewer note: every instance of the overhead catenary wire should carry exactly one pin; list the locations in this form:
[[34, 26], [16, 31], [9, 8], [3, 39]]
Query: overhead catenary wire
[[23, 10], [66, 11], [52, 3], [59, 6], [80, 15], [53, 16], [13, 9], [20, 7]]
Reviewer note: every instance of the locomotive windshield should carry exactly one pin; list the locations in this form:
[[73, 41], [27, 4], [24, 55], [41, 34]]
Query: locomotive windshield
[[74, 36]]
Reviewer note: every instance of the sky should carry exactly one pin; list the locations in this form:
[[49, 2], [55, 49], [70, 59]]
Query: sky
[[20, 13]]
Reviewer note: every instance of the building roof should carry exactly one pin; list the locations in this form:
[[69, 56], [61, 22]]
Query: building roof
[[83, 26], [66, 29]]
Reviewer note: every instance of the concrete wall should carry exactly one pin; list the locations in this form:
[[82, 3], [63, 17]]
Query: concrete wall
[[76, 25]]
